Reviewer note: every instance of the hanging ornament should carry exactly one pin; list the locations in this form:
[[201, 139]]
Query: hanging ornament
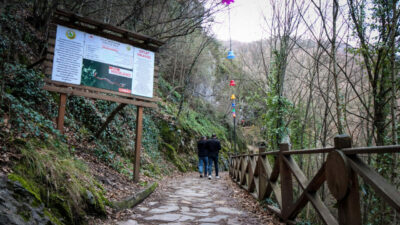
[[233, 97], [233, 104], [234, 115], [233, 110], [227, 1], [232, 83], [230, 55]]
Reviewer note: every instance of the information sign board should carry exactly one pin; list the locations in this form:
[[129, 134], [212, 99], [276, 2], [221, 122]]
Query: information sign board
[[85, 59]]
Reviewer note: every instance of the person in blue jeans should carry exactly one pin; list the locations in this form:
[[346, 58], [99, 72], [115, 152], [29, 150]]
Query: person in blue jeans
[[213, 146], [202, 153]]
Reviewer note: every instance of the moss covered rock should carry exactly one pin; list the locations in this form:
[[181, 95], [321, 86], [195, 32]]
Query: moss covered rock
[[59, 181], [21, 206]]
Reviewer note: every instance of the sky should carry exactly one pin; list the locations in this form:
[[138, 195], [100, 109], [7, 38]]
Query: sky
[[246, 20]]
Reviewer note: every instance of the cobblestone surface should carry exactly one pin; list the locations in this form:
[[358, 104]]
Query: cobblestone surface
[[191, 200]]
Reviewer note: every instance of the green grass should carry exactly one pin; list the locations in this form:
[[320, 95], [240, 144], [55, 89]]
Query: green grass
[[60, 181]]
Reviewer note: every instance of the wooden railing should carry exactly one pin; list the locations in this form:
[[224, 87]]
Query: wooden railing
[[340, 170]]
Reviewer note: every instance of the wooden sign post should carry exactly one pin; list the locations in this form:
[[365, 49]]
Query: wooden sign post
[[61, 112], [138, 142], [99, 61]]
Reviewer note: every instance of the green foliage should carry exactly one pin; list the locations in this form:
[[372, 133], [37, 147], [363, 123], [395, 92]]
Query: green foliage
[[57, 179], [278, 107], [201, 125], [84, 111], [25, 121], [174, 157]]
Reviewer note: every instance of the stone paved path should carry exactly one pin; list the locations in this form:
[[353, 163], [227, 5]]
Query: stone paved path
[[191, 200]]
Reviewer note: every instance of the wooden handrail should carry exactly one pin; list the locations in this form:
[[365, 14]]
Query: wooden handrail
[[373, 149], [341, 171]]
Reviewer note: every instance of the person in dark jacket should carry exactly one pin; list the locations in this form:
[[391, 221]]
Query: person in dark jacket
[[202, 153], [213, 146]]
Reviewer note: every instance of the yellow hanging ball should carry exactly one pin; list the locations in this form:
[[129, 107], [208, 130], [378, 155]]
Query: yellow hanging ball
[[233, 97]]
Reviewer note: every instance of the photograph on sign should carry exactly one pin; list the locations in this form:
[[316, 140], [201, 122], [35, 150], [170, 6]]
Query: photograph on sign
[[89, 60]]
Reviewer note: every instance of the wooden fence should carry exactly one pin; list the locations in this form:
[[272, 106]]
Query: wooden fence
[[341, 170]]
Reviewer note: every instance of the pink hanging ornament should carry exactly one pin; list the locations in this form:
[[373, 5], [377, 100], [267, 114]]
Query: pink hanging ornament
[[227, 1]]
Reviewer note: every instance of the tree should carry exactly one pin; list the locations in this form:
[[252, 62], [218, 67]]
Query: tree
[[376, 52]]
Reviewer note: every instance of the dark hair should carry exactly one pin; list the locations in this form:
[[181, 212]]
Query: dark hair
[[213, 135], [203, 137]]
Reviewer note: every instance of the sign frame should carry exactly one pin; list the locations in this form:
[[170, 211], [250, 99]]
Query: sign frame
[[90, 26], [108, 31]]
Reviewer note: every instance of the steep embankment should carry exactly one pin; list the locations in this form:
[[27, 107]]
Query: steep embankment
[[67, 178]]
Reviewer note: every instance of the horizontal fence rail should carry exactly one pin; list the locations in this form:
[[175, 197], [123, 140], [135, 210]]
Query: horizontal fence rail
[[340, 171]]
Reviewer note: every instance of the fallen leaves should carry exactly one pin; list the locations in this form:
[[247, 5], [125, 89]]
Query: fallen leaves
[[250, 204]]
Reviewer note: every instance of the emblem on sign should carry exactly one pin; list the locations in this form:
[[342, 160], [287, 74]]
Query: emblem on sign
[[70, 34]]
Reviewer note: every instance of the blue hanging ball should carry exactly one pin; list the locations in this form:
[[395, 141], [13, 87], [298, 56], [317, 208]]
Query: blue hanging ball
[[230, 55]]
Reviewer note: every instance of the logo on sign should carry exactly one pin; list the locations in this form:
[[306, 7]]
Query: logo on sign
[[70, 34], [128, 48]]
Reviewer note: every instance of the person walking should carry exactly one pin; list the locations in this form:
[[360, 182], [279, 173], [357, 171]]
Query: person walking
[[213, 146], [203, 156]]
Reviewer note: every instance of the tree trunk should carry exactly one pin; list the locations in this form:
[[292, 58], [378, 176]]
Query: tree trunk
[[335, 10]]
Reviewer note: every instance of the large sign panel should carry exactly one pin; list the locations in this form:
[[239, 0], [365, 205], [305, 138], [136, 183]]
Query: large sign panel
[[85, 59]]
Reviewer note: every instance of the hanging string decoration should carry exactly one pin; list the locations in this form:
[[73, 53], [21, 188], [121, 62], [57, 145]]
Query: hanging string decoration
[[230, 53], [233, 105], [232, 82]]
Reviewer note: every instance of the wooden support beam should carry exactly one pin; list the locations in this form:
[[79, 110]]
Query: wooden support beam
[[349, 207], [262, 179], [61, 112], [138, 143], [295, 169], [274, 187], [387, 191], [309, 193], [322, 209], [271, 185], [85, 93], [72, 87], [286, 182], [243, 170], [275, 170], [109, 119], [311, 188], [251, 181]]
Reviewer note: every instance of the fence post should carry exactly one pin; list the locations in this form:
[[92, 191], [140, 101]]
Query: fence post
[[262, 178], [343, 183], [286, 181]]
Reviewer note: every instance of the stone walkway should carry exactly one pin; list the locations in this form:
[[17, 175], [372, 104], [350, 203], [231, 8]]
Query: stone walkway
[[191, 200]]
